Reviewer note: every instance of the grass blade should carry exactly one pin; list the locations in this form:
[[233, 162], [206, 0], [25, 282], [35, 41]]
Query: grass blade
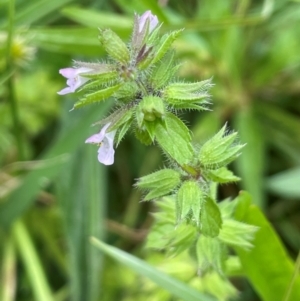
[[174, 286]]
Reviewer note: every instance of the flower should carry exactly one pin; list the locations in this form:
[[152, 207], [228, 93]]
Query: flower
[[106, 141], [153, 21], [74, 79]]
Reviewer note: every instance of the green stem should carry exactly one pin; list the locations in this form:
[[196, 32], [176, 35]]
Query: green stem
[[10, 81], [8, 279]]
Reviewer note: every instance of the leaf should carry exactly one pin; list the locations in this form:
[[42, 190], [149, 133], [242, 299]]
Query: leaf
[[210, 218], [220, 150], [267, 265], [95, 19], [96, 96], [251, 164], [222, 175], [211, 252], [174, 286], [238, 234], [175, 139], [35, 11], [286, 183], [82, 194], [159, 183], [36, 275], [165, 44], [189, 198]]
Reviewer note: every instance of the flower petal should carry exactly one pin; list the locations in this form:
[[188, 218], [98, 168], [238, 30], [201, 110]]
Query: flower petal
[[97, 138], [68, 72], [106, 151]]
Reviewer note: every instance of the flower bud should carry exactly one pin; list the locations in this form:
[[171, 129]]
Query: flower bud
[[114, 46], [152, 108]]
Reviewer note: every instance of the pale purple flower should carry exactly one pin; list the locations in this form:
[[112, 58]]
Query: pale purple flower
[[106, 142], [153, 21], [74, 78]]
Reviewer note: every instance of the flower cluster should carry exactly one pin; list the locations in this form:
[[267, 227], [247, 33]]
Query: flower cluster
[[139, 76]]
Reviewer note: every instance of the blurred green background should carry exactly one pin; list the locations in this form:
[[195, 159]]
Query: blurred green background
[[53, 193]]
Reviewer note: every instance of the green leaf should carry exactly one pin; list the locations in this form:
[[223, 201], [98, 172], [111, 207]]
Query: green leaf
[[210, 218], [238, 234], [163, 71], [83, 210], [286, 183], [222, 175], [189, 198], [159, 183], [96, 96], [165, 44], [36, 275], [35, 11], [67, 40], [211, 252], [251, 164], [174, 286], [175, 139], [122, 132], [95, 19], [220, 150], [184, 94], [267, 266]]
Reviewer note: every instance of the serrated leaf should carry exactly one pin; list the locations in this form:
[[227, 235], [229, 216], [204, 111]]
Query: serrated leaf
[[201, 86], [222, 175], [210, 218], [211, 252], [220, 150], [159, 183], [122, 132], [189, 198], [165, 44], [236, 233], [124, 115], [96, 96], [163, 71], [175, 139]]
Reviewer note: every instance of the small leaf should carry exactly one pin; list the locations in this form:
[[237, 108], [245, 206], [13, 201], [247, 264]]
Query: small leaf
[[159, 183], [237, 234], [222, 175], [211, 252], [96, 96], [165, 44], [163, 71], [175, 139], [220, 150], [122, 132], [210, 218], [189, 198]]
